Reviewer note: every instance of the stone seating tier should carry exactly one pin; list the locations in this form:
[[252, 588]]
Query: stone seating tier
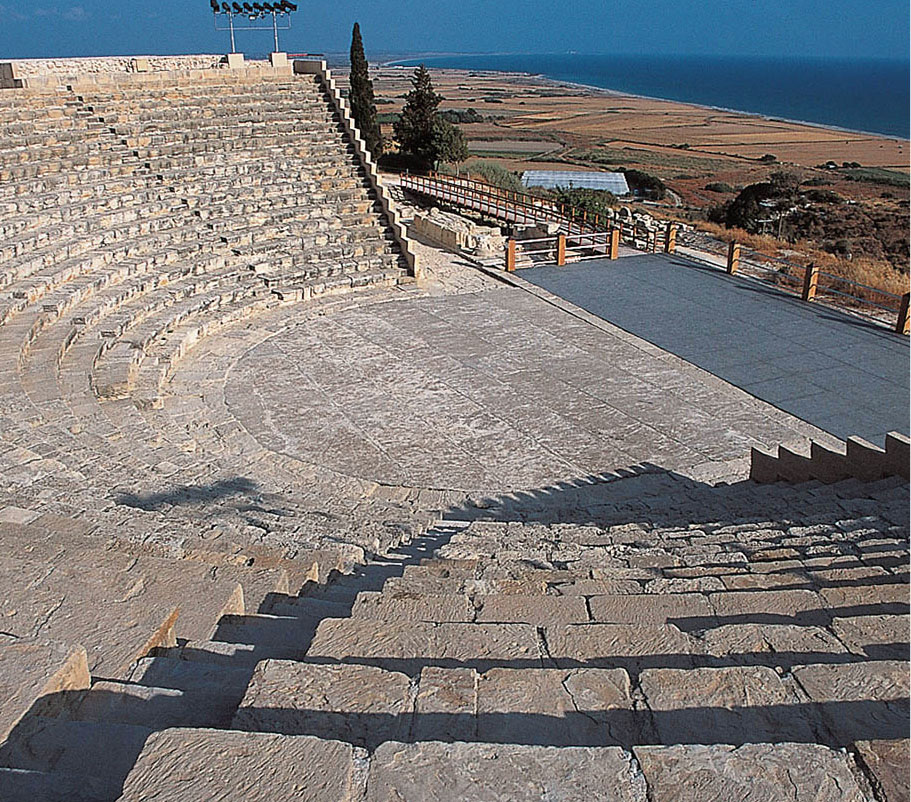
[[108, 248], [696, 660]]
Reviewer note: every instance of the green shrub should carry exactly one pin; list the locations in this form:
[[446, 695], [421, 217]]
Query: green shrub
[[496, 175], [719, 186]]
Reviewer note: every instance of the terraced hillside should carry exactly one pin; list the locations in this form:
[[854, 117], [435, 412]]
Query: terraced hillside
[[278, 523]]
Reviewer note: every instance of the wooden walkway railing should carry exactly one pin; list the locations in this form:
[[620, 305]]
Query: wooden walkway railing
[[594, 236], [521, 208], [812, 284]]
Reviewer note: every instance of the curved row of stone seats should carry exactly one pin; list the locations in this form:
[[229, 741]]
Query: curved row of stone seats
[[80, 291], [555, 648]]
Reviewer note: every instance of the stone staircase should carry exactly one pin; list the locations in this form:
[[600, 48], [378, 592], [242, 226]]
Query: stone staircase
[[137, 220], [664, 654]]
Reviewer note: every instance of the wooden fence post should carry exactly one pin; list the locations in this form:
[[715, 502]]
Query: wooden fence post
[[902, 324], [561, 250], [733, 257], [614, 243], [670, 239], [810, 282], [511, 256]]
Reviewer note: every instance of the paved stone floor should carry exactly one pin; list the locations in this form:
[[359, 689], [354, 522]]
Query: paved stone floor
[[835, 371], [489, 390]]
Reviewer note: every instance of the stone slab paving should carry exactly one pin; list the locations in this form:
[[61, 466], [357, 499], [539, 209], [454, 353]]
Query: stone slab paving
[[491, 390], [835, 371]]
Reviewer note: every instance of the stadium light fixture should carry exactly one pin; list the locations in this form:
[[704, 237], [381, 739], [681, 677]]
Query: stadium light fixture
[[254, 13]]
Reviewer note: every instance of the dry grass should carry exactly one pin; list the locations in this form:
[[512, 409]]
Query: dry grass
[[871, 272]]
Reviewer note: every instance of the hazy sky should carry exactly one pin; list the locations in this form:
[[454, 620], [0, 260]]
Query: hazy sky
[[845, 28]]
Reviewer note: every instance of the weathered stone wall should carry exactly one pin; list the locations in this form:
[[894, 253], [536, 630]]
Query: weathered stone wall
[[25, 68], [458, 234]]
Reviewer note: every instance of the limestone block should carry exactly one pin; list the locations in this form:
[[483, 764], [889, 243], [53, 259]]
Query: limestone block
[[758, 772], [764, 466], [829, 465], [413, 607], [649, 608], [887, 762], [772, 607], [537, 610], [859, 701], [31, 670], [235, 61], [501, 773], [446, 705], [357, 704], [187, 765], [865, 461], [624, 645], [406, 644], [875, 636], [556, 707], [733, 705], [278, 60], [898, 454], [748, 643]]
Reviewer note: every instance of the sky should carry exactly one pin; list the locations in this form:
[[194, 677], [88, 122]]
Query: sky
[[817, 28]]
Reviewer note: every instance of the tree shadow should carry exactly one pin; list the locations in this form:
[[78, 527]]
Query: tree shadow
[[191, 495]]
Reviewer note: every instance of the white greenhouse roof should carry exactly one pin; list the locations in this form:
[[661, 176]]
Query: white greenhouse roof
[[568, 179]]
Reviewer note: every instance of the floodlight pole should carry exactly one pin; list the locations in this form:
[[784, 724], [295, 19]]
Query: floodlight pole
[[231, 25], [275, 30]]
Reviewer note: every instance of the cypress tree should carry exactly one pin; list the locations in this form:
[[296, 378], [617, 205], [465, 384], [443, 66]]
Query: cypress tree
[[414, 128], [362, 99]]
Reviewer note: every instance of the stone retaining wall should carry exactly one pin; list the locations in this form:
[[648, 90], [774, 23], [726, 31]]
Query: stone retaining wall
[[30, 67], [458, 234]]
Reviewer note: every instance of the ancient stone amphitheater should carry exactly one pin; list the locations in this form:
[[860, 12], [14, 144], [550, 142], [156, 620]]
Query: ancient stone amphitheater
[[281, 519]]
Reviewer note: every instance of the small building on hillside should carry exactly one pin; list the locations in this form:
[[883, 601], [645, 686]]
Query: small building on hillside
[[570, 179]]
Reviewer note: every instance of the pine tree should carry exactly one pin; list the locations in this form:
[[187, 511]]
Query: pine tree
[[414, 128], [362, 99]]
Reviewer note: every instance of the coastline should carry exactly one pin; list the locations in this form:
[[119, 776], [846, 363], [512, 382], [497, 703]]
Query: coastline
[[607, 92]]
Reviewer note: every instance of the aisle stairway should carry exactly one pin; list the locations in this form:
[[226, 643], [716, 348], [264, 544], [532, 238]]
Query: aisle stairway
[[669, 656]]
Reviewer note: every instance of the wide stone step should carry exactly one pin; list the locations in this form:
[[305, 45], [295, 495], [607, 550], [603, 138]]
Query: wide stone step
[[361, 705], [101, 750], [275, 635], [155, 708], [244, 766], [192, 677], [408, 645], [38, 676]]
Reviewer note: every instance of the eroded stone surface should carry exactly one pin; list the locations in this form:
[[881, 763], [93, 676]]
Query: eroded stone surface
[[187, 765], [649, 609], [537, 610], [581, 707], [759, 773], [446, 705], [501, 773], [888, 763], [724, 705], [33, 669], [859, 701], [362, 705]]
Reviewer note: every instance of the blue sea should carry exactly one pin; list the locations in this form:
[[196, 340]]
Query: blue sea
[[870, 96]]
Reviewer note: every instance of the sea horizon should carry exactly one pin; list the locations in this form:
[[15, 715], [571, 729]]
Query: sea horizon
[[809, 89]]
